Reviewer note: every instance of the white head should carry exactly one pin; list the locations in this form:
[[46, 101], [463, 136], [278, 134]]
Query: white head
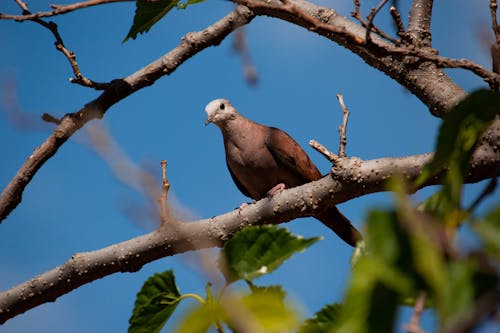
[[219, 111]]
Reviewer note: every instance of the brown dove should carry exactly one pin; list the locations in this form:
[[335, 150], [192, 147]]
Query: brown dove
[[263, 160]]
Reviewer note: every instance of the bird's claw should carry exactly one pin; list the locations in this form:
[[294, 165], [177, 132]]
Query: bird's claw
[[276, 189]]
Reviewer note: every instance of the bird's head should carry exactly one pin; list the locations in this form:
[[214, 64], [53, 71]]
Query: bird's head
[[219, 111]]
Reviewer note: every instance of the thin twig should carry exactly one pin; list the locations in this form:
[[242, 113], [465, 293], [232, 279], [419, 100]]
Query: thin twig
[[396, 16], [343, 127], [495, 48], [70, 55], [164, 193], [322, 150], [414, 325], [370, 18], [494, 23], [56, 10], [192, 44], [357, 15]]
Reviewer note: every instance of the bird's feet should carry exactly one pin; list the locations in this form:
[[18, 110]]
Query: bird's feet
[[276, 189]]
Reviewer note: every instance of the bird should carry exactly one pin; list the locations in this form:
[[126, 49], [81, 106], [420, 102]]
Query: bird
[[264, 160]]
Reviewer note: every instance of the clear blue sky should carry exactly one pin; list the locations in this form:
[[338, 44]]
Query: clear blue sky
[[75, 203]]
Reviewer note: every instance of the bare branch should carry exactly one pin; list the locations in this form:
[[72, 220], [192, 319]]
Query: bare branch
[[371, 17], [164, 193], [419, 23], [428, 83], [191, 44], [70, 55], [323, 151], [357, 15], [397, 21], [56, 10], [341, 185], [494, 23], [343, 127]]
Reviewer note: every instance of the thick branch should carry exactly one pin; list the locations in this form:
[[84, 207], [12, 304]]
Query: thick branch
[[349, 179], [419, 23], [191, 44], [429, 83]]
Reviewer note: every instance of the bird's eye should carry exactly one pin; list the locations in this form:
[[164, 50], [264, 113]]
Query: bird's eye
[[222, 106]]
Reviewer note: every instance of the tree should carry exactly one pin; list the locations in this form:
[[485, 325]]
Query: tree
[[409, 61]]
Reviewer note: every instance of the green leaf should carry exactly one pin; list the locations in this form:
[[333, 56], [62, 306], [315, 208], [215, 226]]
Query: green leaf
[[258, 250], [155, 303], [461, 129], [458, 136], [147, 14], [323, 321], [274, 290]]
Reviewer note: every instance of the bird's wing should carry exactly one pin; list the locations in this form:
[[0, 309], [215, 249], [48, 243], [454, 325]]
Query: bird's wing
[[291, 155], [239, 185]]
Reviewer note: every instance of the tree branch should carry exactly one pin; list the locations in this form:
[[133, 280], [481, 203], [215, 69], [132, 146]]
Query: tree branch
[[57, 10], [419, 23], [191, 44], [430, 84], [350, 178]]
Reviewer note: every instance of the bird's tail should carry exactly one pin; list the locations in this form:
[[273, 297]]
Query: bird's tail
[[336, 221]]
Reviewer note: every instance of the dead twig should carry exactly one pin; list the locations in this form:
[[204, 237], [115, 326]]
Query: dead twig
[[357, 15], [322, 150], [56, 10], [59, 44], [343, 126], [396, 16], [370, 18], [164, 193]]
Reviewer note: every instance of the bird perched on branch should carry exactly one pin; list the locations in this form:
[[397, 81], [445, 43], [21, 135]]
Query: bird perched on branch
[[263, 160]]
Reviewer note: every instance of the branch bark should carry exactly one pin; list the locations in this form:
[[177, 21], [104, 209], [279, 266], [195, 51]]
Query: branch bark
[[191, 44], [419, 23], [350, 178], [429, 83]]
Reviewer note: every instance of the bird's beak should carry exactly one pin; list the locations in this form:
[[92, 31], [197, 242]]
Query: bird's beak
[[209, 120]]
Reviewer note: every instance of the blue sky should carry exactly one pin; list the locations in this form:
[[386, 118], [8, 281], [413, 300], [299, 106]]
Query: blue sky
[[75, 203]]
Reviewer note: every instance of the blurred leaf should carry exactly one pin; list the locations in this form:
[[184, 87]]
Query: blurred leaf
[[200, 318], [467, 282], [460, 131], [488, 228], [381, 276], [458, 136], [269, 310], [255, 251], [155, 303], [323, 321], [147, 14]]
